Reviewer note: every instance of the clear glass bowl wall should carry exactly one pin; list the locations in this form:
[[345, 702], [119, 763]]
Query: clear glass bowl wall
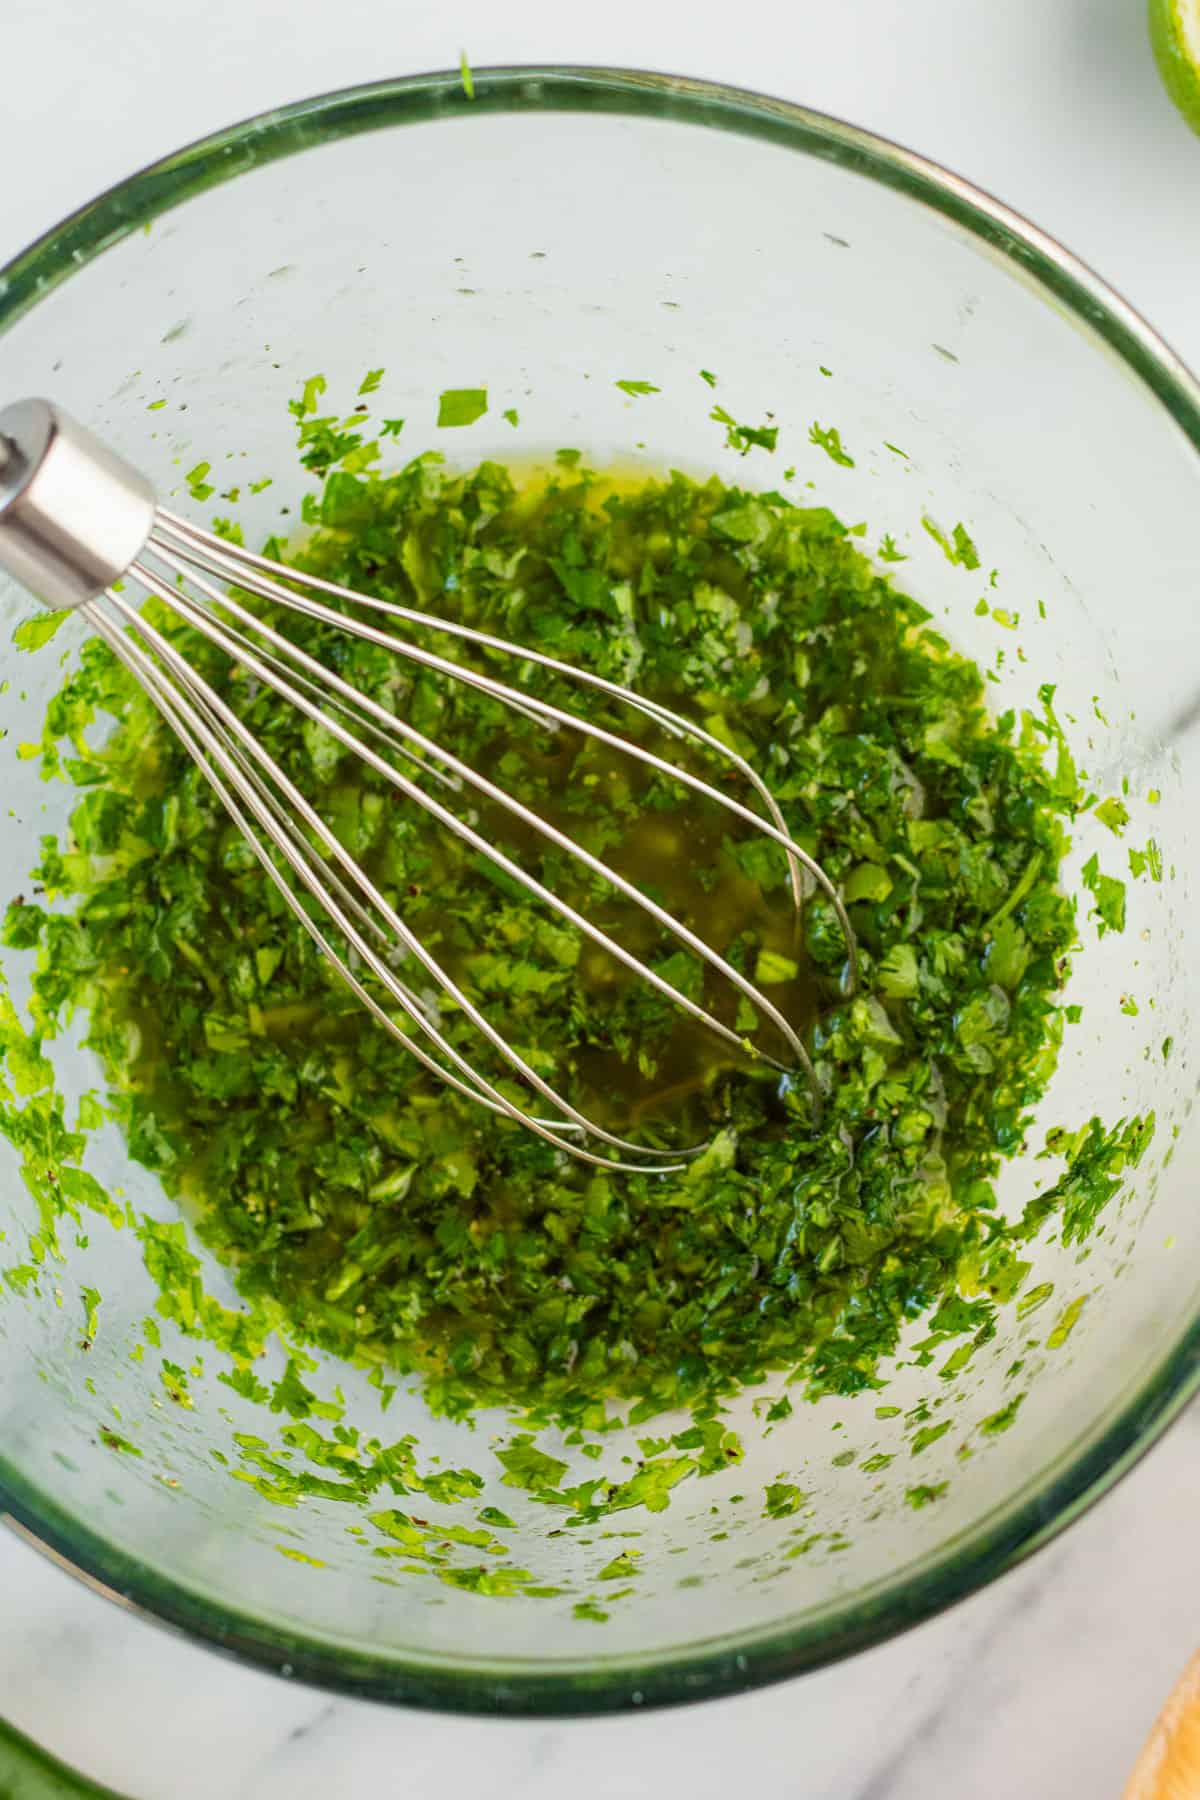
[[562, 232]]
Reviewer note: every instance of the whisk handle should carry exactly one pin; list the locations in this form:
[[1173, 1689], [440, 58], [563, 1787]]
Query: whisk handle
[[73, 515]]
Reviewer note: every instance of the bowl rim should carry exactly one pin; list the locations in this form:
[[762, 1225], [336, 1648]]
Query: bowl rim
[[1026, 1521]]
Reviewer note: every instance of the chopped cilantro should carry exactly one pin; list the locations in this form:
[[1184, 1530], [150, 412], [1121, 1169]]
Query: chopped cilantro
[[957, 548], [1097, 1161], [745, 438], [635, 388], [1109, 895], [528, 1467], [91, 1311], [771, 967], [828, 439], [461, 406], [1008, 954], [1113, 813], [782, 1499], [588, 1609], [1146, 862], [199, 488], [622, 1566], [1000, 1421], [897, 974], [31, 634], [314, 387], [1066, 1324], [925, 1494], [114, 1441], [964, 550]]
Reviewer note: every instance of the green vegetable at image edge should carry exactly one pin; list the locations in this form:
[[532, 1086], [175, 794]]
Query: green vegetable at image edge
[[391, 1222], [28, 1773]]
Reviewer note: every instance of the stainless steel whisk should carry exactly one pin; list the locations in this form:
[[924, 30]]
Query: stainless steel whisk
[[78, 525]]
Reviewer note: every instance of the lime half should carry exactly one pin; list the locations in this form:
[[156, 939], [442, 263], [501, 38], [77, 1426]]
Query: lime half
[[1175, 38]]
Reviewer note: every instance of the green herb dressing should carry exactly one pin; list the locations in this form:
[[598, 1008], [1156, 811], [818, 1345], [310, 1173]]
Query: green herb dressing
[[394, 1222], [366, 1210]]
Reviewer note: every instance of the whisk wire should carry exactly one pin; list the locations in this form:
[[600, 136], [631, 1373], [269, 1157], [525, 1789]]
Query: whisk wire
[[191, 555], [77, 522], [302, 862], [237, 644], [207, 744], [205, 549]]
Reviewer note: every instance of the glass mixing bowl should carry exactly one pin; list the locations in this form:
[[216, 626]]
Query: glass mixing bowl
[[559, 232]]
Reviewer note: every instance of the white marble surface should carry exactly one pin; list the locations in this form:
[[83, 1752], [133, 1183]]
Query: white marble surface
[[1041, 1688], [1045, 1685]]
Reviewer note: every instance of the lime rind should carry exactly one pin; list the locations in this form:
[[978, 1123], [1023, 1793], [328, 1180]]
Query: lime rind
[[1175, 40]]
